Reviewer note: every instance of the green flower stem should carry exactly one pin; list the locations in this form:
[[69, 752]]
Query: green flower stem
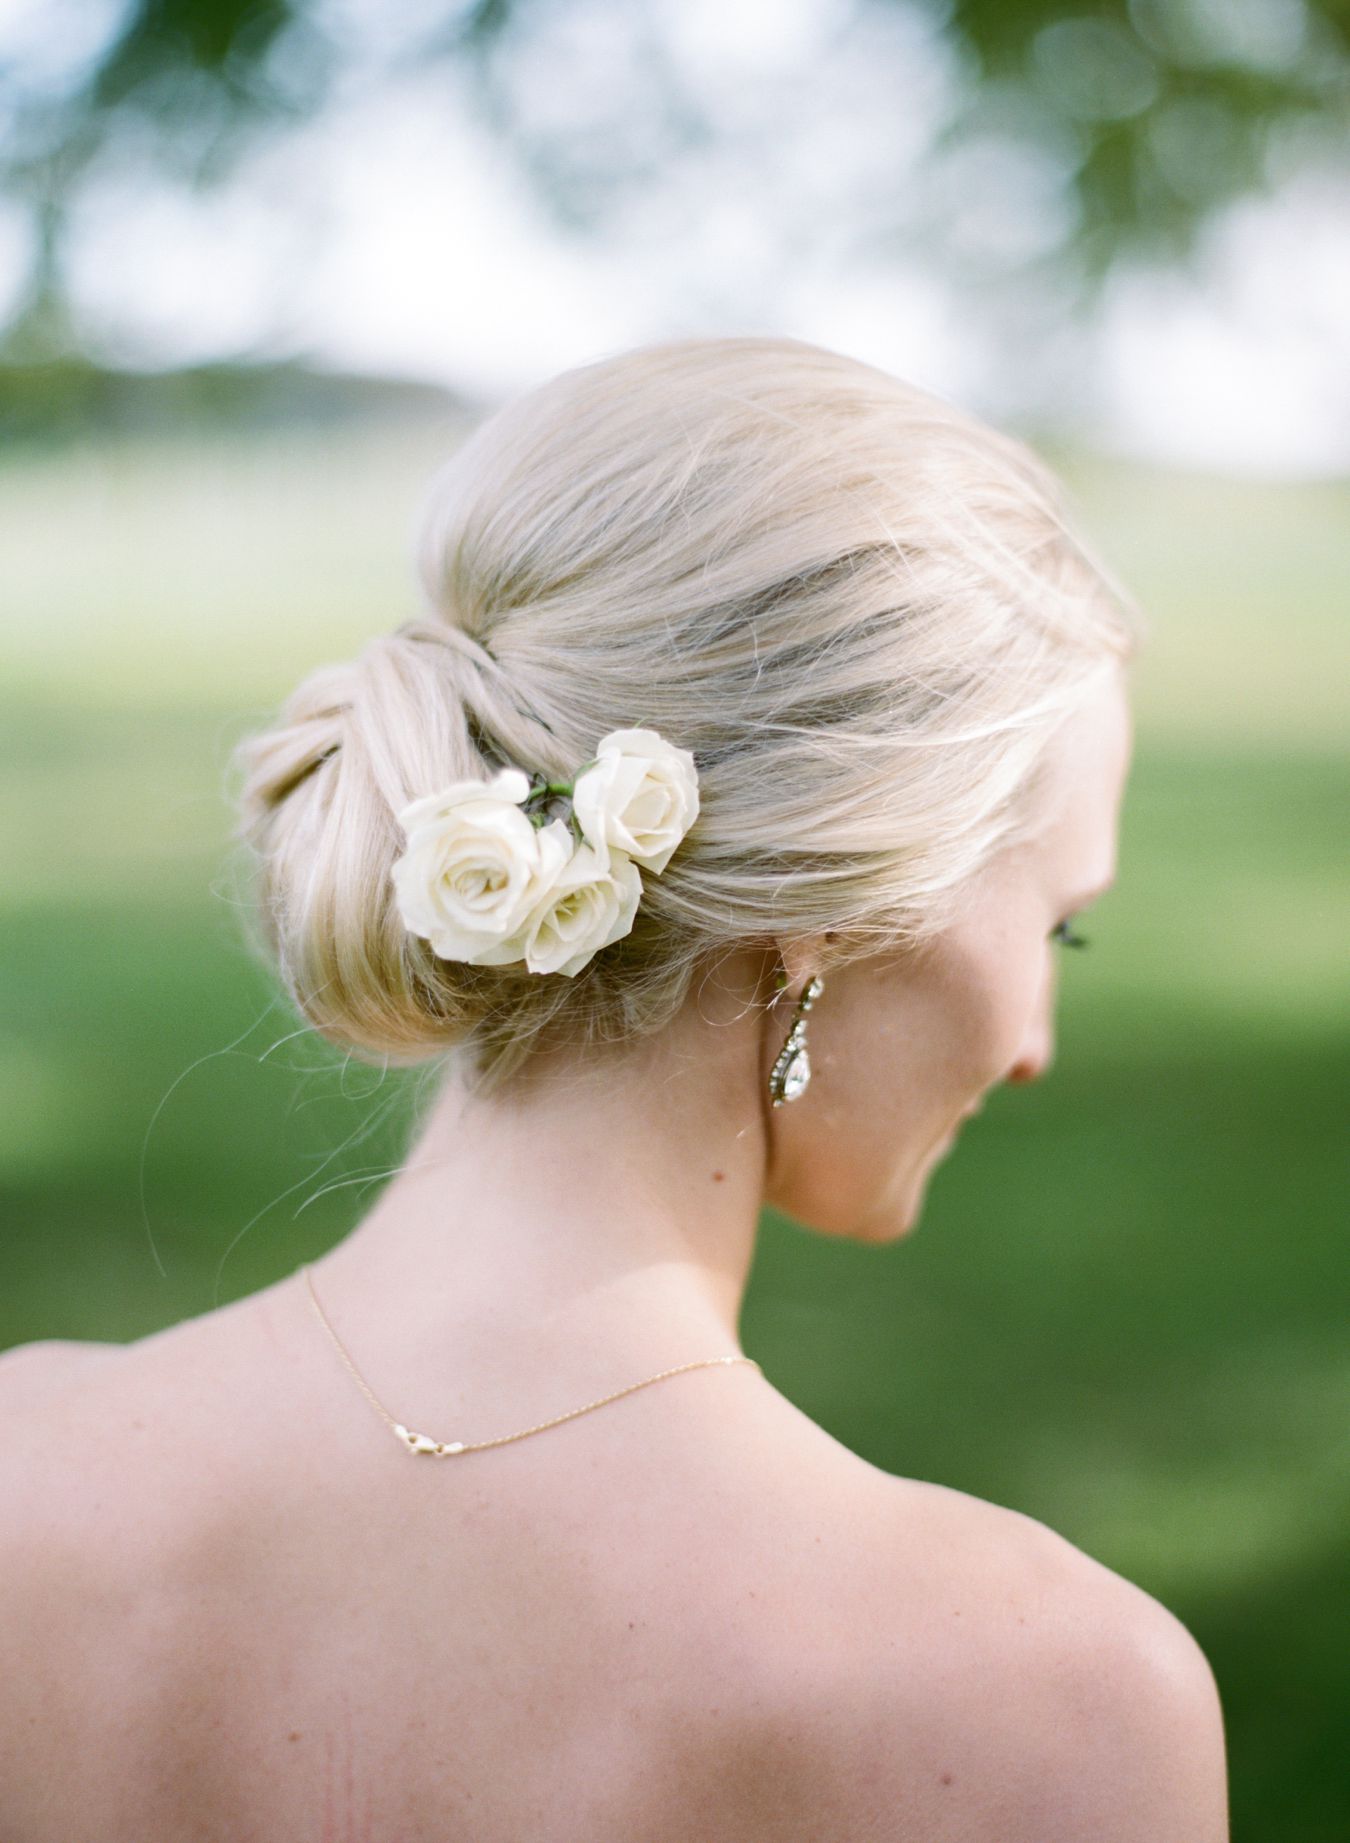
[[558, 787], [541, 790]]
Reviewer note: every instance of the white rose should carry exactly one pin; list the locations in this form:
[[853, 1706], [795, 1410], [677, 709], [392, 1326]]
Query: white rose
[[475, 868], [640, 796], [589, 904]]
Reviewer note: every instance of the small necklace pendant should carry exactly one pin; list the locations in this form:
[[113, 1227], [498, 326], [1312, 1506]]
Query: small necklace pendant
[[419, 1443]]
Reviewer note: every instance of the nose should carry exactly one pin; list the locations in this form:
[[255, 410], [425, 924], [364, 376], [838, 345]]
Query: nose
[[1033, 1060], [1037, 1050]]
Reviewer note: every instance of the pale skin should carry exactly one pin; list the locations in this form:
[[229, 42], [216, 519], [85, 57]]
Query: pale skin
[[689, 1615]]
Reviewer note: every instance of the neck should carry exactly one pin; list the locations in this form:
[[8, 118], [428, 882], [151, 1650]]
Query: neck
[[596, 1216]]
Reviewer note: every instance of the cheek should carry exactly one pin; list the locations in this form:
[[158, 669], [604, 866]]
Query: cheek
[[995, 998]]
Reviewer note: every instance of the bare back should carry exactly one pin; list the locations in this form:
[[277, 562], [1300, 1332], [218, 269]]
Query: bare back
[[248, 1613]]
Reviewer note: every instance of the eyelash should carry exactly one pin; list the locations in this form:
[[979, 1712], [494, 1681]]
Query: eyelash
[[1064, 934]]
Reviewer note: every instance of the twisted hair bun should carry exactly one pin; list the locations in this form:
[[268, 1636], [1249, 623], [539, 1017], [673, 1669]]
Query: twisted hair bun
[[863, 612]]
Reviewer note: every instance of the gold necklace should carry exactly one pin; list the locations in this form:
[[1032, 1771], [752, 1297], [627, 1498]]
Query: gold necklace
[[446, 1449]]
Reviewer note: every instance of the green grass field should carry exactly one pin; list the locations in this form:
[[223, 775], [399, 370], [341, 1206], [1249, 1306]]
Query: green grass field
[[1124, 1312]]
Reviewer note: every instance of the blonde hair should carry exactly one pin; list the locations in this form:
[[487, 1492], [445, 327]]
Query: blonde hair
[[863, 611]]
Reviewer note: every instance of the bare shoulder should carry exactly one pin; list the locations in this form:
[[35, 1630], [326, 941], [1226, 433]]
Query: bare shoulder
[[30, 1372], [90, 1517], [45, 1417], [1120, 1716], [49, 1530], [62, 1472], [1130, 1722], [1026, 1693]]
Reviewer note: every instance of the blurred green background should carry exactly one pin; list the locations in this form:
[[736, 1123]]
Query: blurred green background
[[1124, 1311], [226, 228]]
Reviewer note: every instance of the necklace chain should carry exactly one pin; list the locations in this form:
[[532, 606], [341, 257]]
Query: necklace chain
[[443, 1449]]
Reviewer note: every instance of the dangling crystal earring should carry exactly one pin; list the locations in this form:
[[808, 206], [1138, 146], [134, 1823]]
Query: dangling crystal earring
[[792, 1071]]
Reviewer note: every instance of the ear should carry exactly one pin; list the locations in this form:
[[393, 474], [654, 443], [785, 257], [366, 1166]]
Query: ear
[[800, 955]]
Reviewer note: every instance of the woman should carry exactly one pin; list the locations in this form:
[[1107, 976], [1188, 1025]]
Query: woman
[[713, 836]]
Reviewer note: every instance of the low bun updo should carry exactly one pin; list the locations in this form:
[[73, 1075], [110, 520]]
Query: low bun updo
[[862, 611]]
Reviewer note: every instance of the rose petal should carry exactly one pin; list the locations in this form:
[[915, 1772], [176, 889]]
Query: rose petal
[[587, 909]]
